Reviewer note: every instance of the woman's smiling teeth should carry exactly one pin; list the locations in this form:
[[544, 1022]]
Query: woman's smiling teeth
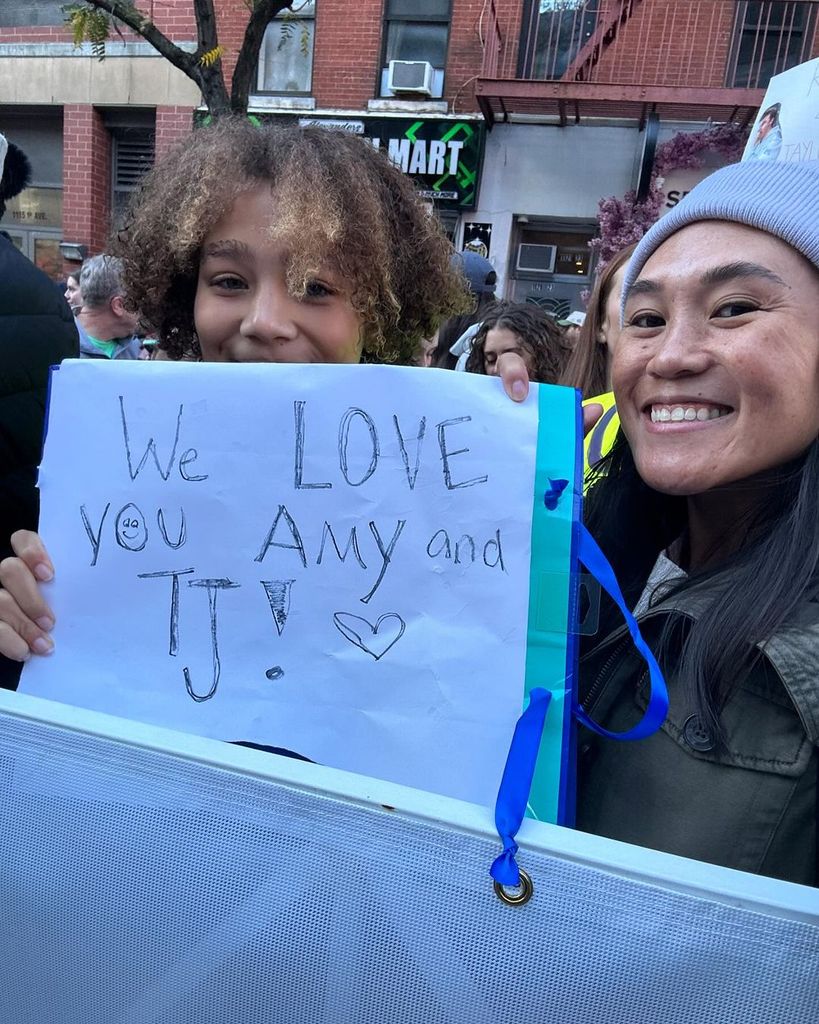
[[680, 413]]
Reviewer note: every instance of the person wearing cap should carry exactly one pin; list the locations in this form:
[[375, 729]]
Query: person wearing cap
[[36, 332], [571, 326], [453, 340], [480, 275], [706, 509]]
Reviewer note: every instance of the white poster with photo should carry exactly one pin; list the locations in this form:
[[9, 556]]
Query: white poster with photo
[[787, 125]]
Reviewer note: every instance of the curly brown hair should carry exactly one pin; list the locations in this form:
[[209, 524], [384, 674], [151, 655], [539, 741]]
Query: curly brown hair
[[538, 333], [334, 199]]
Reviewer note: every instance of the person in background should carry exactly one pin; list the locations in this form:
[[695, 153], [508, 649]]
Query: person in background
[[481, 279], [589, 365], [571, 326], [36, 332], [73, 292], [525, 330], [106, 327]]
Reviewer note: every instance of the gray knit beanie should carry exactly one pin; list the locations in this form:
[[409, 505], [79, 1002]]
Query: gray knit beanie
[[780, 198]]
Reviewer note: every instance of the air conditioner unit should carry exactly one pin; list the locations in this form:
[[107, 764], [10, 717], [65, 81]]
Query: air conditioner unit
[[410, 76], [536, 259]]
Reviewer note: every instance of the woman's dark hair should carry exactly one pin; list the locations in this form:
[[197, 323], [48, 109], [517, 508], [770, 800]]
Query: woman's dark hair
[[771, 114], [587, 367], [448, 333], [775, 569], [334, 199], [537, 331]]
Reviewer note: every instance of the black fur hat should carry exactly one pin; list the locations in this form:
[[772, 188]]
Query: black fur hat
[[16, 174]]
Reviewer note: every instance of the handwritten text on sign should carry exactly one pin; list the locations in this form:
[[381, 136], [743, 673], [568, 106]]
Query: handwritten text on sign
[[332, 560]]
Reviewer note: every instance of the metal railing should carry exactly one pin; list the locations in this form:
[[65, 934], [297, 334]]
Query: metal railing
[[695, 43]]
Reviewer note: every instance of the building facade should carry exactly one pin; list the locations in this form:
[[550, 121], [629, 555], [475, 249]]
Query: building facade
[[514, 116], [577, 96], [92, 127]]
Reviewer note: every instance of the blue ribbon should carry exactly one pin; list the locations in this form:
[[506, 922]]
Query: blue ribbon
[[597, 564], [513, 794]]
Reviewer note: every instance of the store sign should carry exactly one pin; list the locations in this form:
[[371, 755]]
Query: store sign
[[678, 183], [680, 180], [444, 157], [477, 238], [36, 208]]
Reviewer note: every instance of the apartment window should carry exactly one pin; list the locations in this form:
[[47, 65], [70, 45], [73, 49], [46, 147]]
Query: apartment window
[[31, 13], [132, 156], [769, 37], [554, 33], [417, 30], [286, 56]]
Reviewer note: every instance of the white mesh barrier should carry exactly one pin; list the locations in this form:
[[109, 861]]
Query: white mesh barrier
[[140, 886]]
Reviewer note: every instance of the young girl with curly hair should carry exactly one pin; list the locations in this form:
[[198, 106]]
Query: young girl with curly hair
[[525, 330], [281, 244]]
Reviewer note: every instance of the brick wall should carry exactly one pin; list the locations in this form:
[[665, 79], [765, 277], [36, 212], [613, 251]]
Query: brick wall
[[347, 55], [173, 17], [86, 177], [172, 123], [468, 27]]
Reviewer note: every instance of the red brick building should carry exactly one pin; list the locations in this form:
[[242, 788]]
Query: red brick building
[[515, 116]]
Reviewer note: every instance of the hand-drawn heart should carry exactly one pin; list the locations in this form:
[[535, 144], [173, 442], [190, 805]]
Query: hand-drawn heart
[[372, 639]]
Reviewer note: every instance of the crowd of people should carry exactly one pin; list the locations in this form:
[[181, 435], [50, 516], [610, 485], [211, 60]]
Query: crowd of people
[[699, 359]]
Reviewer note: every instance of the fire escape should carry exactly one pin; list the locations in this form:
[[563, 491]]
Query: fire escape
[[625, 59]]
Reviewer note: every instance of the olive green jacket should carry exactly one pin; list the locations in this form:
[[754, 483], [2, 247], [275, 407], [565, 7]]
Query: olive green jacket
[[752, 805]]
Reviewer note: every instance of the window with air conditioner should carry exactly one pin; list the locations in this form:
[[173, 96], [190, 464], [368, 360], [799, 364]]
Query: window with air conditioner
[[536, 259], [286, 56], [416, 36]]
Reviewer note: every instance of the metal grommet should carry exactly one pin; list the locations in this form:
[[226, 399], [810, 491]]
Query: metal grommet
[[510, 896]]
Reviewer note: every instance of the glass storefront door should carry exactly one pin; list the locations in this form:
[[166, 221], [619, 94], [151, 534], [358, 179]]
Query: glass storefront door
[[41, 247]]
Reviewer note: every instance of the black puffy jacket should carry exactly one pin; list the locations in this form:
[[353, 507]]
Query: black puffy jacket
[[36, 331]]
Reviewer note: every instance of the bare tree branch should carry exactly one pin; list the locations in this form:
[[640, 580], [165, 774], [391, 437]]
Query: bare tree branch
[[127, 13], [208, 76]]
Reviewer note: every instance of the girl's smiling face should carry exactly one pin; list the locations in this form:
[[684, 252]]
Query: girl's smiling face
[[244, 311], [716, 370]]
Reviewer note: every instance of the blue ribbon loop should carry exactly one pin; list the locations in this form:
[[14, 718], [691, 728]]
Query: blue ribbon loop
[[513, 794], [597, 564]]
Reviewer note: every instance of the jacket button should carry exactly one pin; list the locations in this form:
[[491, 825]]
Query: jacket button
[[695, 736]]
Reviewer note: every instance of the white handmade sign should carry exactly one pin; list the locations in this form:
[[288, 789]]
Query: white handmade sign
[[331, 560]]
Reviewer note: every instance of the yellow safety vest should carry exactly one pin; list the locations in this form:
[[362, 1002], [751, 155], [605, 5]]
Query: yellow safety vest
[[600, 439]]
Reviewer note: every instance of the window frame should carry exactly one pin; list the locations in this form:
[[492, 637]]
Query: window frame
[[741, 26], [409, 17], [261, 90]]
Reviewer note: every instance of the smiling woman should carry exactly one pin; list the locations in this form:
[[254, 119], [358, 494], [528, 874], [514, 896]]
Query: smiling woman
[[707, 508]]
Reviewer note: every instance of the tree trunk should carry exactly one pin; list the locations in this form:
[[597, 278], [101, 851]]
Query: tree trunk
[[263, 12]]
